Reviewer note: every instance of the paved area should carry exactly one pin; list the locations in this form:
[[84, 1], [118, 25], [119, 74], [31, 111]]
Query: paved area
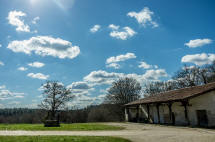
[[137, 133]]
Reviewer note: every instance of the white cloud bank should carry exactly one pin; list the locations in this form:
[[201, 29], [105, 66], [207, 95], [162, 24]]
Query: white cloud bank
[[6, 94], [103, 77], [96, 78], [198, 42], [144, 17], [95, 28], [82, 91], [199, 59], [14, 18], [38, 76], [46, 46], [36, 64], [123, 34]]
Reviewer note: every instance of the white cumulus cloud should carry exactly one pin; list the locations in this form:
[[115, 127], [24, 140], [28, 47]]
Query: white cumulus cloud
[[102, 77], [113, 27], [113, 65], [36, 64], [120, 58], [80, 88], [14, 18], [155, 74], [112, 61], [35, 20], [95, 28], [1, 63], [198, 42], [123, 34], [199, 59], [22, 68], [38, 76], [81, 85], [45, 46], [144, 17], [83, 101], [144, 65]]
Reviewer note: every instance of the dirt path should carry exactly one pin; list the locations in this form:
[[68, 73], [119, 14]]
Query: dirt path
[[137, 133]]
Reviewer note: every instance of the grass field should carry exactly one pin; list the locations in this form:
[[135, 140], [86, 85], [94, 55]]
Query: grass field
[[64, 127], [60, 139]]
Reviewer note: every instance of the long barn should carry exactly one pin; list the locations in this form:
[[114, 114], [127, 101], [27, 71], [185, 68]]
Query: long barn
[[189, 106]]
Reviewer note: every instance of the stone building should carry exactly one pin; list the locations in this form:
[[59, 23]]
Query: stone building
[[189, 106]]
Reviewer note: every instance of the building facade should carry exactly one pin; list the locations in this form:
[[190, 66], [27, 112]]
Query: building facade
[[193, 106]]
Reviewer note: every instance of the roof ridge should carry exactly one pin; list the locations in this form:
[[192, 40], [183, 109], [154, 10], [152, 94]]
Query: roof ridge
[[185, 88], [177, 94]]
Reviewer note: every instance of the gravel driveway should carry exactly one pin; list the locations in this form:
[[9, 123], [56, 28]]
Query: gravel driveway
[[137, 133]]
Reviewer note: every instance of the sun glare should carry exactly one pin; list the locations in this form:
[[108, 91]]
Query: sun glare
[[34, 2]]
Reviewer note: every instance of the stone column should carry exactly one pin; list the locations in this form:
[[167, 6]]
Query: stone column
[[126, 114], [185, 104], [148, 112], [137, 113], [158, 112], [170, 112]]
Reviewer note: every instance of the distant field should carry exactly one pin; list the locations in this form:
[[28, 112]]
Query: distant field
[[64, 127], [60, 139]]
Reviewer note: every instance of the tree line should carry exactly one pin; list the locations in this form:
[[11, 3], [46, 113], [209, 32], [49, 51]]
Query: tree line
[[98, 113]]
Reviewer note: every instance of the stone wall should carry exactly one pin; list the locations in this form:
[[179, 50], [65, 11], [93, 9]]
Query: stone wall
[[203, 102]]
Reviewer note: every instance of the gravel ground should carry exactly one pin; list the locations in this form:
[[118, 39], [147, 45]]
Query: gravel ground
[[137, 133]]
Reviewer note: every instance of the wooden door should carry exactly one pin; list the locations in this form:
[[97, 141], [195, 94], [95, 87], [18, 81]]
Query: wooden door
[[202, 118]]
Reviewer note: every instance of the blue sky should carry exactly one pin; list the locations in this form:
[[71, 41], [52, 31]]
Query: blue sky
[[88, 44]]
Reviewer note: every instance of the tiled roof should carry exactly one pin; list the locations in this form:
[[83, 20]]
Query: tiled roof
[[176, 95]]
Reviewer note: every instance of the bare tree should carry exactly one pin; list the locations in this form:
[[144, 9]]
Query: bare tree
[[193, 76], [185, 77], [55, 97], [153, 88], [211, 68], [123, 91]]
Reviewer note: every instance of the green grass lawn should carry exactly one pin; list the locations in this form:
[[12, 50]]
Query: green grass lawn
[[63, 127], [60, 139]]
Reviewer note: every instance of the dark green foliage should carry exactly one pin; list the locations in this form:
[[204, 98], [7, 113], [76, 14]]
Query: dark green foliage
[[106, 113]]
